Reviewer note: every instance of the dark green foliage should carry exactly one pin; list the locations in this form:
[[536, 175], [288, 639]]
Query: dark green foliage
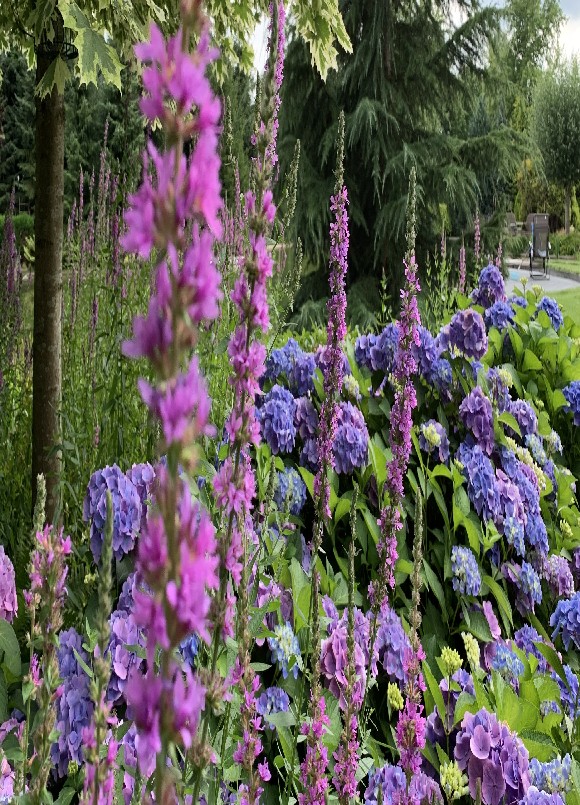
[[16, 131], [23, 227], [407, 92]]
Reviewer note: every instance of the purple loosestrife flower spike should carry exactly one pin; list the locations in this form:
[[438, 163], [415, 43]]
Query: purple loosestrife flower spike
[[176, 560], [477, 239], [462, 269]]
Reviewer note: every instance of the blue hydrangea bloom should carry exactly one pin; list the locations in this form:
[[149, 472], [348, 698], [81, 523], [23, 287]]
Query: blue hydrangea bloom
[[519, 301], [142, 477], [391, 782], [390, 645], [276, 364], [188, 649], [283, 646], [500, 393], [551, 307], [466, 576], [306, 418], [276, 418], [535, 445], [569, 693], [481, 482], [309, 455], [301, 374], [384, 349], [74, 707], [507, 663], [566, 621], [572, 395], [68, 664], [500, 315], [290, 494], [426, 354], [351, 439], [126, 510], [490, 288], [273, 700], [442, 376], [477, 415], [552, 776], [525, 639], [362, 351]]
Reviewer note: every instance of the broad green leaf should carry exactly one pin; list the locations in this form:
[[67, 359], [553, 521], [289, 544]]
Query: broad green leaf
[[286, 719], [435, 585], [550, 655], [501, 598], [56, 76], [10, 648], [95, 54], [466, 703], [509, 419], [539, 745], [434, 690], [479, 627], [531, 362]]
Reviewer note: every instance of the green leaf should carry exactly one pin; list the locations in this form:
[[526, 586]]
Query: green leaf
[[538, 744], [434, 690], [56, 76], [479, 627], [501, 598], [531, 362], [510, 420], [435, 585], [10, 648], [466, 703], [65, 797], [550, 655], [286, 719], [94, 53]]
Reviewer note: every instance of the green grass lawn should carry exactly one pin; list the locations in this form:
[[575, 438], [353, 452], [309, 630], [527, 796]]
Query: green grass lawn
[[570, 301], [571, 266]]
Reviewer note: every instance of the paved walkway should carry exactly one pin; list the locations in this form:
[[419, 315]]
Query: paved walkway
[[550, 286]]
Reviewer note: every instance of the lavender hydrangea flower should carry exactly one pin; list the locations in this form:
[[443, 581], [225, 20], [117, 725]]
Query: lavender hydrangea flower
[[467, 333], [74, 709], [334, 664], [306, 418], [556, 570], [276, 417], [527, 583], [477, 415], [552, 308], [283, 646], [433, 437], [70, 641], [273, 700], [500, 315], [481, 481], [498, 389], [534, 796], [124, 633], [389, 784], [490, 288], [426, 353], [569, 692], [466, 576], [189, 648], [351, 439], [8, 600], [309, 455], [276, 364], [491, 753], [566, 621], [126, 510], [290, 493], [525, 416], [442, 377], [572, 395], [437, 731]]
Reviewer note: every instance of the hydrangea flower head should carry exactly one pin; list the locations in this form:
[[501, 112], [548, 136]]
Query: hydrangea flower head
[[481, 480], [467, 333], [500, 315], [507, 663], [566, 621], [126, 510], [8, 600], [490, 288], [552, 776], [290, 493], [433, 436], [552, 308], [301, 374], [525, 416], [572, 395], [273, 700], [466, 576], [284, 646], [276, 417], [350, 445], [477, 415], [390, 645]]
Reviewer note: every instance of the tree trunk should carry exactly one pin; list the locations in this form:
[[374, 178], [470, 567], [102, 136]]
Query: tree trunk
[[48, 241], [567, 205]]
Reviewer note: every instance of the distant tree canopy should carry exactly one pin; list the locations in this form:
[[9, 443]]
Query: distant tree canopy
[[555, 126], [409, 92]]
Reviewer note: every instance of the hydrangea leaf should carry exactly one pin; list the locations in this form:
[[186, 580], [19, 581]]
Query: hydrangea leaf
[[95, 54], [434, 690], [10, 648], [502, 600], [531, 362]]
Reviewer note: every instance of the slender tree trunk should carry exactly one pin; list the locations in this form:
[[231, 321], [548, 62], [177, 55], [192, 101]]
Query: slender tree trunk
[[48, 240], [567, 204]]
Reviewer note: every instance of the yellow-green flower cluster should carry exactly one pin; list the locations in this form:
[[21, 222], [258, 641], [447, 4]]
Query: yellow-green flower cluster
[[394, 697], [471, 649], [453, 782], [450, 660]]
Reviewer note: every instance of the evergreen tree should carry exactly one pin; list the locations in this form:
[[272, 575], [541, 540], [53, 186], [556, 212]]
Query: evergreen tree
[[17, 131], [407, 92]]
